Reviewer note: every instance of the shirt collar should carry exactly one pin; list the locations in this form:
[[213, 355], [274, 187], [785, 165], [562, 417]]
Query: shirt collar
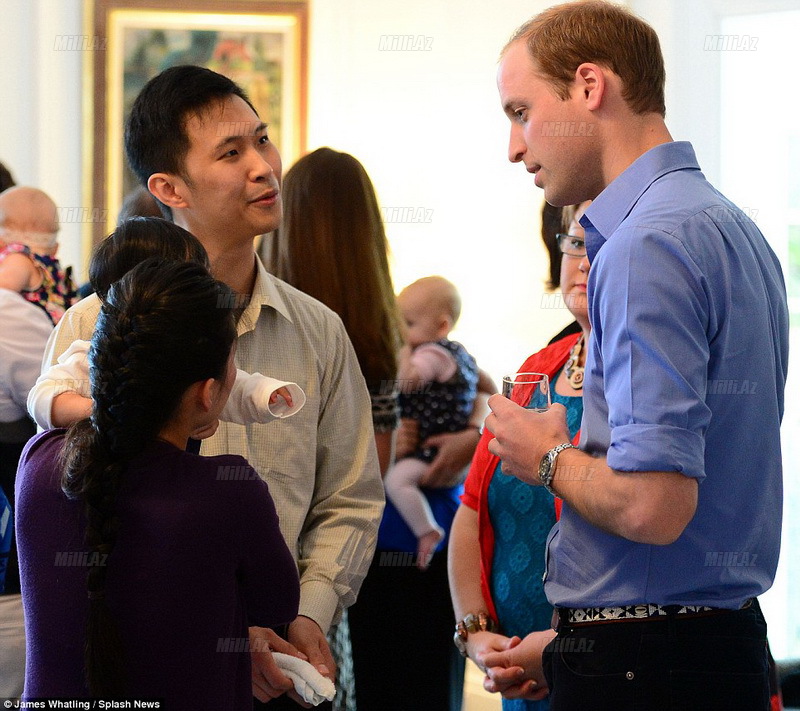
[[265, 293], [612, 206]]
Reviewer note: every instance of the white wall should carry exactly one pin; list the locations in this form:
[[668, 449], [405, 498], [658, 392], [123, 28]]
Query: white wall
[[428, 127], [17, 105], [426, 124], [693, 71], [40, 105]]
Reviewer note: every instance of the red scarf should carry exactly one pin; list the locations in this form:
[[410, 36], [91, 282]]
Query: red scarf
[[549, 360]]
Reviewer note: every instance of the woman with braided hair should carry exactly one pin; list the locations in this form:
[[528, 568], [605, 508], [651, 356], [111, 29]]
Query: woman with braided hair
[[135, 582]]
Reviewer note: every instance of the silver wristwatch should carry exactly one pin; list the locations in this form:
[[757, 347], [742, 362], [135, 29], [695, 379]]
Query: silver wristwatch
[[547, 467]]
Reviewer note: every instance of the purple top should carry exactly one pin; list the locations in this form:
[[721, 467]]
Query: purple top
[[198, 558]]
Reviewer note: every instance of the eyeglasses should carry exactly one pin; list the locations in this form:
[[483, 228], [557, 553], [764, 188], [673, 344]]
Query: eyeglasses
[[573, 246]]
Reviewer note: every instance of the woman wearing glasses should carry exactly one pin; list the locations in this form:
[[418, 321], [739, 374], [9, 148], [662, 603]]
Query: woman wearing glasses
[[498, 537]]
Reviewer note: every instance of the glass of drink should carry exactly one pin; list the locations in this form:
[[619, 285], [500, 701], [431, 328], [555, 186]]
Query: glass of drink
[[530, 390]]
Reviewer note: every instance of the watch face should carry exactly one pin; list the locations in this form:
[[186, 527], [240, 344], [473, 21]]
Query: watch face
[[545, 467]]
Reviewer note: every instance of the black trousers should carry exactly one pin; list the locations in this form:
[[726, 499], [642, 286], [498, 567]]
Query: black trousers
[[401, 629], [708, 663]]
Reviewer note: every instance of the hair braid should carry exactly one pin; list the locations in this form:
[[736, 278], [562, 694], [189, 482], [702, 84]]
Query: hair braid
[[160, 330]]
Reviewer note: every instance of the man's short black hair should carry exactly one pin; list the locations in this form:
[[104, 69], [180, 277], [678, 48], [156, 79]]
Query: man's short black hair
[[155, 132]]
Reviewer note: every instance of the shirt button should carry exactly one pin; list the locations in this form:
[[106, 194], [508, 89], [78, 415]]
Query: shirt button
[[629, 676]]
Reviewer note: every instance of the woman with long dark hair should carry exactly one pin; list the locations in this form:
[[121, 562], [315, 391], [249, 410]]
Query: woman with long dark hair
[[333, 246], [143, 565]]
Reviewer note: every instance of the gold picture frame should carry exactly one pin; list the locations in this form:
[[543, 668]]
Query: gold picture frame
[[260, 44]]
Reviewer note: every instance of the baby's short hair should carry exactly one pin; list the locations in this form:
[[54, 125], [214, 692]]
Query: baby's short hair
[[443, 295]]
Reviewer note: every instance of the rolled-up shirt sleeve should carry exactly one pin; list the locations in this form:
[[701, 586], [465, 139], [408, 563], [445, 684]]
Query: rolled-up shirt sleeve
[[69, 374], [655, 361]]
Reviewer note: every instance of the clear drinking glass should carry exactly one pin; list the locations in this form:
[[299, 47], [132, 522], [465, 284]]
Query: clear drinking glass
[[530, 390]]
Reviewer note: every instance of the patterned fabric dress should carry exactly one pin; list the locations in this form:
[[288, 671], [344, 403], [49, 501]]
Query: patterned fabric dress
[[522, 516], [57, 291], [443, 407]]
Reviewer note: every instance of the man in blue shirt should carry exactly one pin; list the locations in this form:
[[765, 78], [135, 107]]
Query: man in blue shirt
[[672, 505]]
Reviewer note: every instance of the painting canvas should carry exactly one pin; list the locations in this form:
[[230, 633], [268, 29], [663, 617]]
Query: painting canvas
[[263, 52]]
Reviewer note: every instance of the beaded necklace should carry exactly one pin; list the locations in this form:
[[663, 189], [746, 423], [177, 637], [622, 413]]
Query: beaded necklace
[[572, 370]]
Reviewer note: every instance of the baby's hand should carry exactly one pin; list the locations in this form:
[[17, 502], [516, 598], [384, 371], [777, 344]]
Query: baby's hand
[[270, 399], [284, 393]]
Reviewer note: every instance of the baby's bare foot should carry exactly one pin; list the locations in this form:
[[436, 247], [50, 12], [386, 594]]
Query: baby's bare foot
[[426, 546]]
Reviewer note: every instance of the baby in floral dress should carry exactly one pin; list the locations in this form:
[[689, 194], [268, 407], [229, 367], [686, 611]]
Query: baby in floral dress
[[28, 246]]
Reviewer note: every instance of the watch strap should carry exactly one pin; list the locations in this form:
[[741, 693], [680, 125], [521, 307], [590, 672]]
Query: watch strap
[[548, 465]]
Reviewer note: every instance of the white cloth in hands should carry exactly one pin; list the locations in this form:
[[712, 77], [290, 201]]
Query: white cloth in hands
[[310, 685]]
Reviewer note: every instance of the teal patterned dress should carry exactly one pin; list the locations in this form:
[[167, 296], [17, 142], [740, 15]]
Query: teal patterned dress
[[522, 516]]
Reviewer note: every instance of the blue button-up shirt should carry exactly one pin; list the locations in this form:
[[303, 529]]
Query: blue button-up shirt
[[685, 373]]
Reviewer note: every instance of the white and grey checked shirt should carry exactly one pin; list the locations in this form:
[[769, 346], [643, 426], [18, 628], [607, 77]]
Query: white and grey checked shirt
[[320, 464]]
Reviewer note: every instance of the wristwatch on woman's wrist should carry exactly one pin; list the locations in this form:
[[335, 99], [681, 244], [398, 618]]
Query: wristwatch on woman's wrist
[[473, 622]]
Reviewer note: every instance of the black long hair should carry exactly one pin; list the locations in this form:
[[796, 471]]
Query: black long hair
[[163, 327], [134, 240], [333, 247], [551, 226]]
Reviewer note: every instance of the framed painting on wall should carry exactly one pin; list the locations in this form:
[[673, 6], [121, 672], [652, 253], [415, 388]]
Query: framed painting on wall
[[261, 45]]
